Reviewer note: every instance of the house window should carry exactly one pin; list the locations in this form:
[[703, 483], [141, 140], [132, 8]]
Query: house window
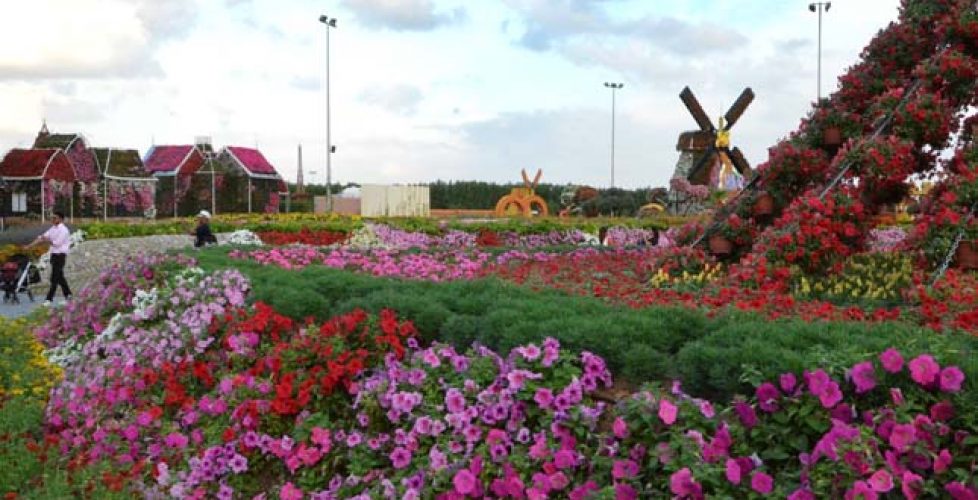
[[18, 202]]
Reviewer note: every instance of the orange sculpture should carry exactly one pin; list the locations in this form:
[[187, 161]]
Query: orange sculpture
[[522, 201]]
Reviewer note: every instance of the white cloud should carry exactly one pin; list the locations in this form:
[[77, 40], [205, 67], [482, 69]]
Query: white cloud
[[407, 15], [401, 99], [87, 38]]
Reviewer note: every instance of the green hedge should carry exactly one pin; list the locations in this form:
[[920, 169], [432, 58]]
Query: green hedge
[[714, 356]]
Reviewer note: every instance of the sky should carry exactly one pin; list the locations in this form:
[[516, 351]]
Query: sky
[[422, 90]]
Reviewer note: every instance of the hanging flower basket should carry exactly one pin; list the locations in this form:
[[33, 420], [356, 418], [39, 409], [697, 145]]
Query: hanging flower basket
[[966, 257], [763, 205], [720, 245], [832, 137]]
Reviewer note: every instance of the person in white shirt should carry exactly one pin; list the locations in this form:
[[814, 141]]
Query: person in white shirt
[[60, 239]]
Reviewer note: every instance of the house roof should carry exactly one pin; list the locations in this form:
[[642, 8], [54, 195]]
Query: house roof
[[252, 160], [58, 141], [166, 158], [120, 163], [28, 163]]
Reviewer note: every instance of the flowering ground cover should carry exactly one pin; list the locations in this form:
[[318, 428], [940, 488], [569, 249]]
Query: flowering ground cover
[[183, 384]]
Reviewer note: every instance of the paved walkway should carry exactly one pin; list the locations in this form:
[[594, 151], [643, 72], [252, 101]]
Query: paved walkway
[[89, 258]]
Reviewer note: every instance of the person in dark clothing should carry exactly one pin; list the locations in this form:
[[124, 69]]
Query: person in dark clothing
[[60, 239], [202, 234]]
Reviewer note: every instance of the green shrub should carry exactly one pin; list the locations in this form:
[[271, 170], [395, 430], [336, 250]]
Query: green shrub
[[715, 356]]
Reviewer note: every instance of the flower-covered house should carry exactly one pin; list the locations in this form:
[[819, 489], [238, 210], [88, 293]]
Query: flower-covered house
[[186, 181], [247, 182], [126, 187], [37, 182], [86, 172]]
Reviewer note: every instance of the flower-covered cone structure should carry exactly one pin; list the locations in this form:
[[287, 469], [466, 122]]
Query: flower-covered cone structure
[[858, 150]]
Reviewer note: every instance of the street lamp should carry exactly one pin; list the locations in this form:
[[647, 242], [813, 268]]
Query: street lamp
[[614, 87], [819, 7], [330, 23]]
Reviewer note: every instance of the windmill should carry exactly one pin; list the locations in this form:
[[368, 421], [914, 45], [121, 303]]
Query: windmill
[[701, 147]]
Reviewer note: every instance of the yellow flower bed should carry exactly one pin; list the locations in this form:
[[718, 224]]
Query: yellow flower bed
[[24, 371], [872, 277]]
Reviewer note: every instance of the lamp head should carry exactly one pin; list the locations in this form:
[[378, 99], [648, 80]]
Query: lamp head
[[828, 5], [327, 21], [811, 7]]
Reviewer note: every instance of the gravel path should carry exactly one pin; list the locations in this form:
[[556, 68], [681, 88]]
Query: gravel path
[[89, 258]]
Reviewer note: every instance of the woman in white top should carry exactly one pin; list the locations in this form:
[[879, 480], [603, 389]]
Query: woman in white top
[[60, 239]]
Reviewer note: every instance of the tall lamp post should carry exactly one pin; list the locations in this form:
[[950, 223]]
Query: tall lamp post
[[330, 22], [614, 87], [819, 7]]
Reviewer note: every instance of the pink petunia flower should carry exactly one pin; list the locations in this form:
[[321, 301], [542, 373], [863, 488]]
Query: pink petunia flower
[[762, 483], [910, 485], [902, 436], [891, 360], [667, 412], [464, 482], [290, 492], [881, 481], [733, 471], [951, 379], [682, 483], [863, 376], [620, 428], [924, 369]]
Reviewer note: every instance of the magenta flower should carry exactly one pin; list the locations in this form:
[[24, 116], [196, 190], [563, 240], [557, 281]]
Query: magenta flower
[[624, 469], [624, 491], [746, 414], [881, 481], [892, 360], [902, 436], [863, 376], [801, 494], [667, 412], [910, 485], [924, 369], [454, 400], [544, 397], [682, 483], [761, 483], [951, 379], [831, 395], [290, 492], [788, 382], [959, 491], [767, 397], [733, 471], [862, 489], [400, 457], [942, 411], [464, 482], [620, 428], [942, 462], [565, 459]]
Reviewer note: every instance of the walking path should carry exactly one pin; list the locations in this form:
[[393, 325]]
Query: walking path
[[89, 259]]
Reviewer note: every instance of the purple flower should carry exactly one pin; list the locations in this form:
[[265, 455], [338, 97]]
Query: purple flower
[[544, 397], [464, 482], [667, 412], [746, 414], [238, 464]]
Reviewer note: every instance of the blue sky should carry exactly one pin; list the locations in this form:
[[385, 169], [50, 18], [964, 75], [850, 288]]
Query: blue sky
[[422, 89]]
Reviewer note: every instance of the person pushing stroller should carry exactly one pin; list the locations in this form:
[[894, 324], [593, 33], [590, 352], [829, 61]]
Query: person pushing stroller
[[60, 239]]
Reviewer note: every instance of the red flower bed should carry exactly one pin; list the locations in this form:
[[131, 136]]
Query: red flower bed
[[752, 286], [304, 236]]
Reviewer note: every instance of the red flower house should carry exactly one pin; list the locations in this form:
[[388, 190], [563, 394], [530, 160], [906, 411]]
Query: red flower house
[[38, 182]]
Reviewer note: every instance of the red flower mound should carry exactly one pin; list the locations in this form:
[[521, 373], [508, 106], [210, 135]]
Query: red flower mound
[[305, 237]]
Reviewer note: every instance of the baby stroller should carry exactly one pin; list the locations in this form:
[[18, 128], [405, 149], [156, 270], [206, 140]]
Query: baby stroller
[[16, 276]]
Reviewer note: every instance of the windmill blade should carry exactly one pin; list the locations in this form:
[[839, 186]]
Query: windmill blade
[[707, 156], [526, 179], [536, 180], [739, 106], [739, 161], [696, 110]]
